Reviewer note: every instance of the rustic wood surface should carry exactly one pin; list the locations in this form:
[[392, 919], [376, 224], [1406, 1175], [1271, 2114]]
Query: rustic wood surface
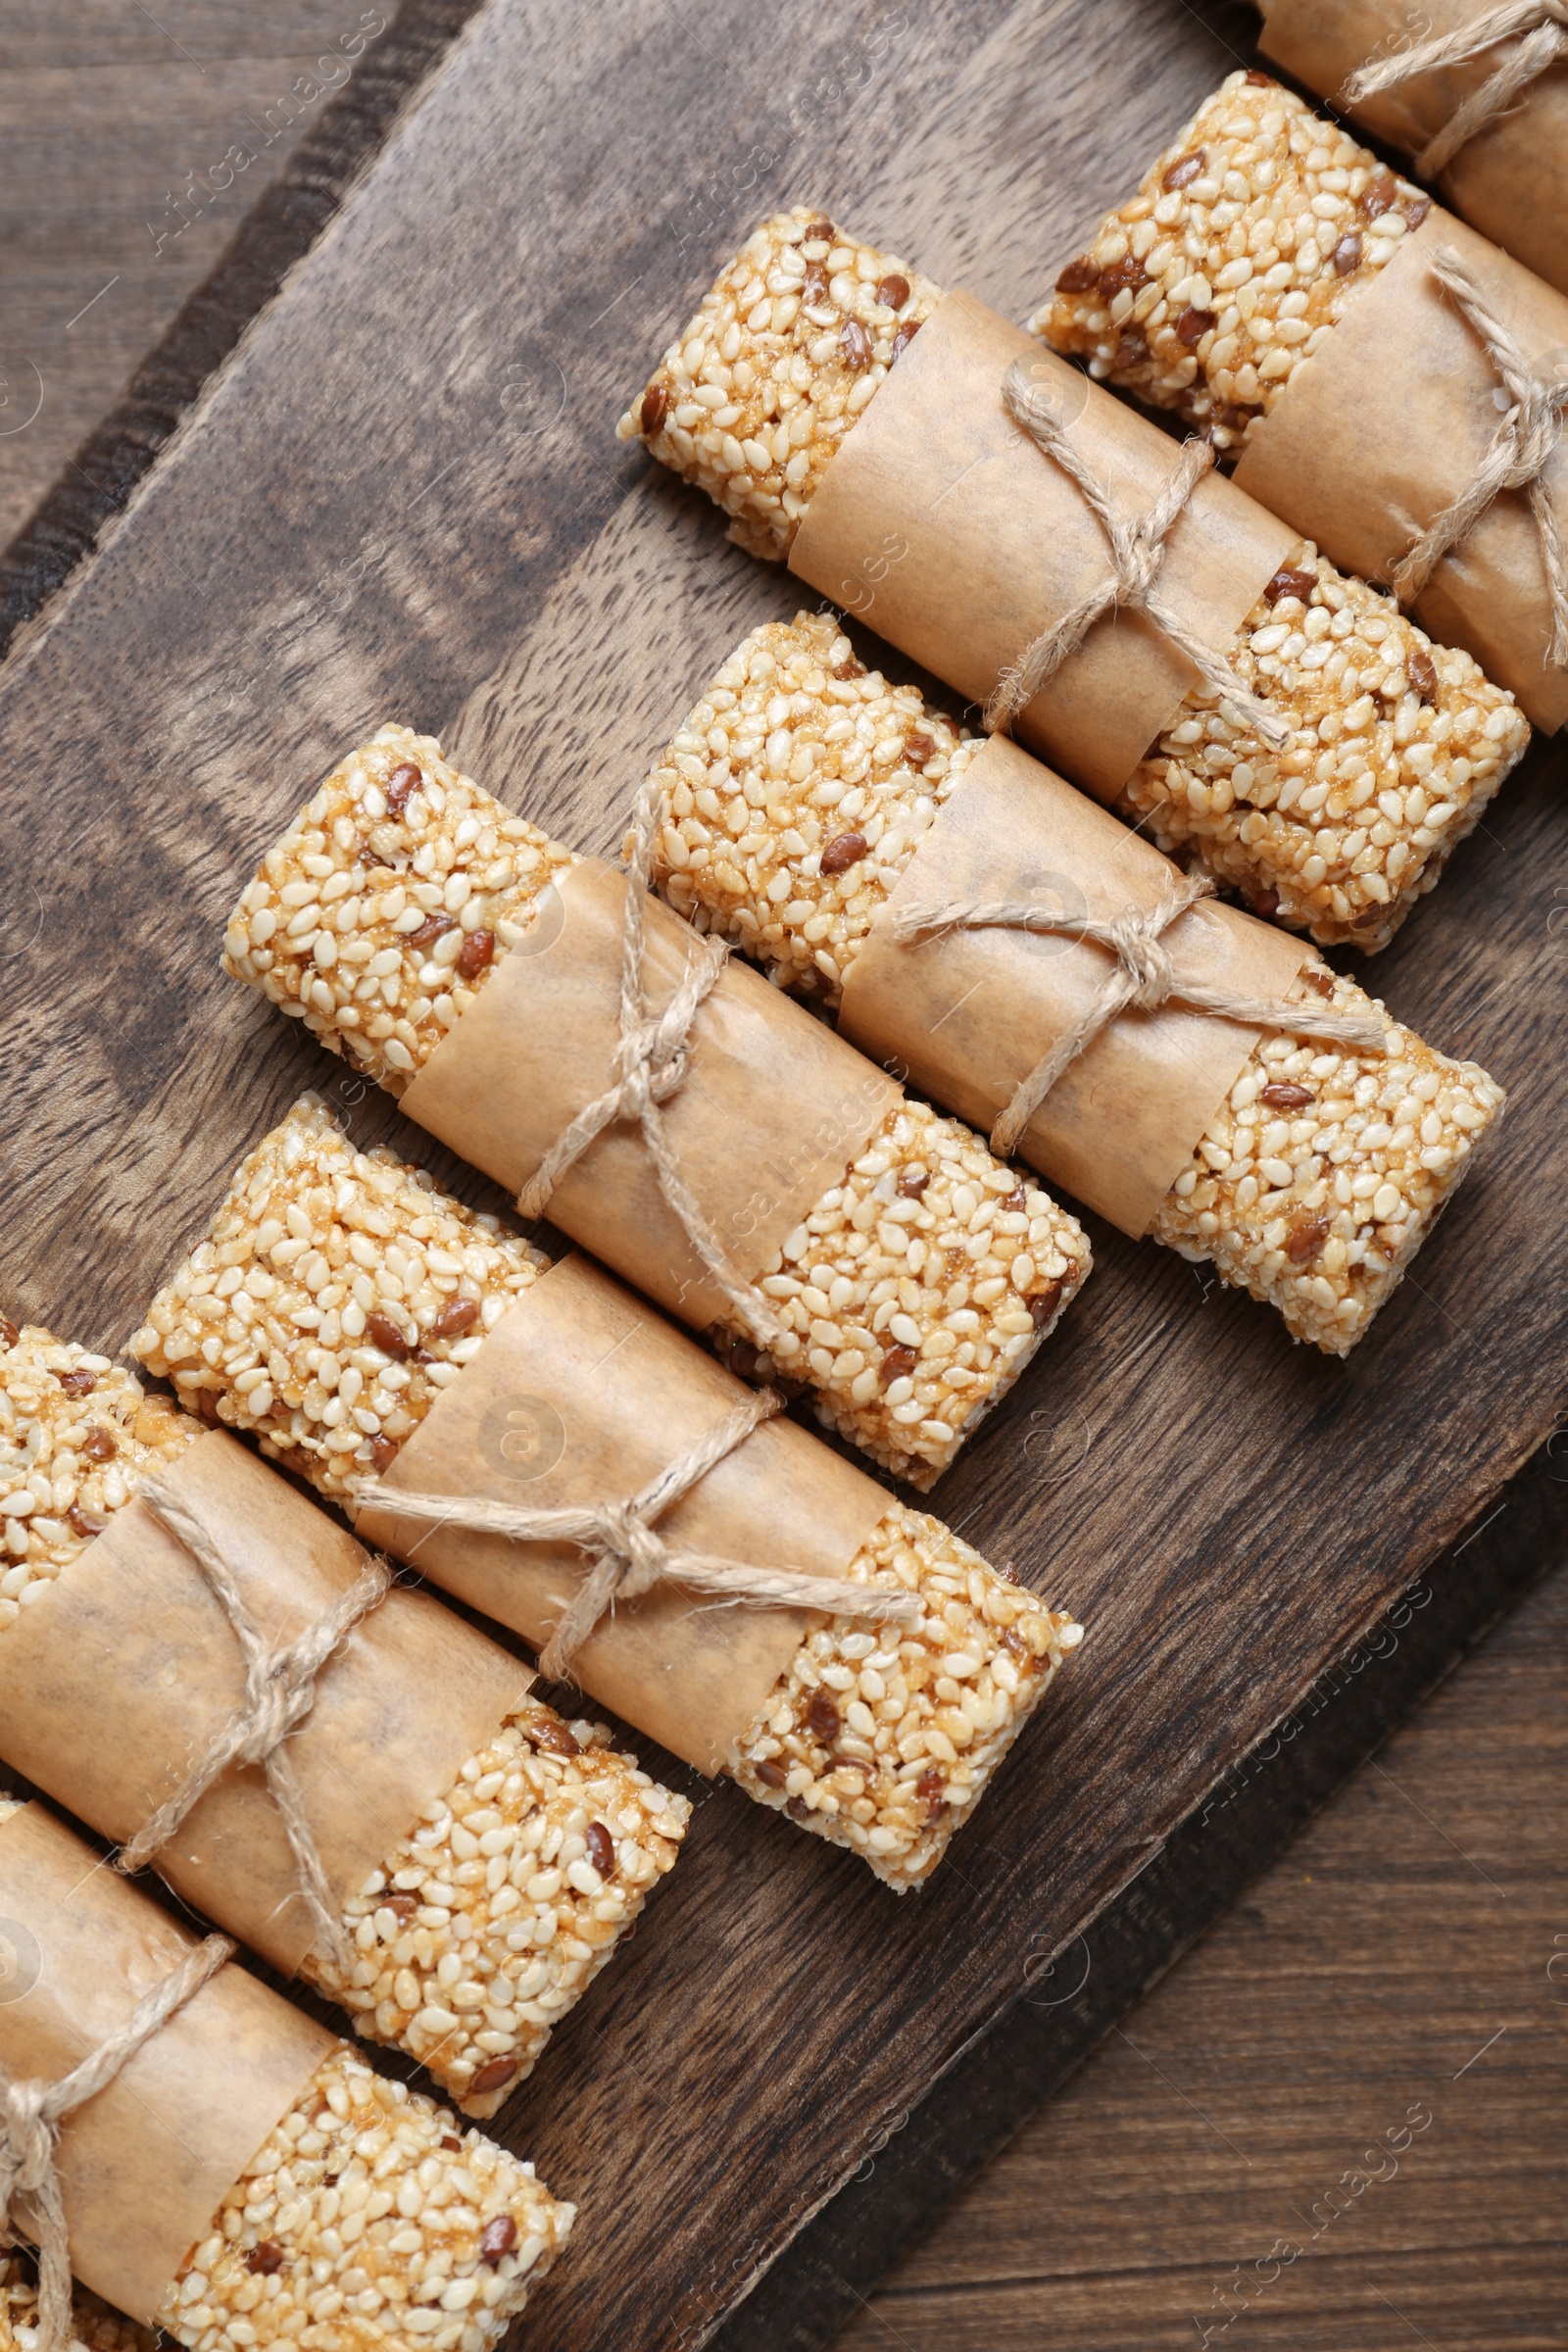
[[402, 484], [135, 144], [1207, 2177]]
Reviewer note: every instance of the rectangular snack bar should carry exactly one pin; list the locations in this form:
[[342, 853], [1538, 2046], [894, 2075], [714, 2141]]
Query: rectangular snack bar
[[488, 1857], [1319, 1171], [473, 966], [879, 1740], [1482, 107], [244, 2181], [1328, 325], [1391, 746]]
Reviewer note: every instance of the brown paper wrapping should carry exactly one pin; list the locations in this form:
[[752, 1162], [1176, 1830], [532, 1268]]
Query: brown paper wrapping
[[1387, 422], [940, 525], [581, 1395], [1509, 180], [973, 1012], [145, 2165], [117, 1679], [773, 1108]]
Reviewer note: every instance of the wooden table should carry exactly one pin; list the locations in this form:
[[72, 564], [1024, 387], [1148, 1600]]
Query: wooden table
[[548, 214]]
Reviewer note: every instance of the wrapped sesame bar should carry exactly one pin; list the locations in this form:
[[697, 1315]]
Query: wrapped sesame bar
[[929, 524], [472, 968], [1329, 326], [452, 1357], [208, 2187], [530, 1845], [1481, 106], [1313, 1173]]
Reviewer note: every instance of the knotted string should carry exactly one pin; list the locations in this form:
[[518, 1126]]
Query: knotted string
[[1525, 440], [31, 2114], [651, 1061], [628, 1556], [1544, 25], [1144, 975], [1136, 551], [279, 1692]]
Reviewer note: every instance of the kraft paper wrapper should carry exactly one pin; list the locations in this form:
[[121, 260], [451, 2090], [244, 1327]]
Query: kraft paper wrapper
[[772, 1110], [973, 1012], [1386, 423], [145, 2165], [1509, 179], [943, 525], [117, 1679], [581, 1395]]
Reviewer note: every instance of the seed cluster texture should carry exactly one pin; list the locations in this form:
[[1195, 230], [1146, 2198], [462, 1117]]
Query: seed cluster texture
[[1333, 1200], [1246, 245], [336, 928], [370, 2221], [1248, 242], [1395, 745], [78, 1436], [885, 1745], [491, 1918], [94, 2325], [306, 1183], [753, 399]]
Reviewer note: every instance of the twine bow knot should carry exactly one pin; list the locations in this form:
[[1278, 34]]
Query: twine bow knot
[[31, 2114], [1138, 545], [1143, 977], [627, 1555], [651, 1061], [1528, 436], [279, 1694], [1540, 27]]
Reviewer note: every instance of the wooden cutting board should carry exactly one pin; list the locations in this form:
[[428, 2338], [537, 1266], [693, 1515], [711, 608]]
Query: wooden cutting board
[[403, 484]]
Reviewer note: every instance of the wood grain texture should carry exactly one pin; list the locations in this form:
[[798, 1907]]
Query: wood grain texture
[[137, 145], [1071, 2003], [402, 484], [1206, 2176]]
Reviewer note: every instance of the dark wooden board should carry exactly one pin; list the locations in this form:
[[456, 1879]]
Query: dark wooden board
[[101, 270], [1408, 1950], [1092, 2227], [403, 483]]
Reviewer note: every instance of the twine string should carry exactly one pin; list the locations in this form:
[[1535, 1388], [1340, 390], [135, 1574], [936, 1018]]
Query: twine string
[[1540, 27], [33, 2112], [1137, 546], [627, 1555], [279, 1692], [650, 1062], [1527, 439], [1143, 976]]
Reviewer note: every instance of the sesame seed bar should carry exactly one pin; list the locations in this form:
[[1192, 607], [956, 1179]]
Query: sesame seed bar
[[306, 1182], [885, 1746], [95, 2327], [789, 347], [1247, 243], [491, 1918], [1332, 1200], [78, 1436], [339, 921], [920, 1288], [370, 2221], [1396, 745]]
